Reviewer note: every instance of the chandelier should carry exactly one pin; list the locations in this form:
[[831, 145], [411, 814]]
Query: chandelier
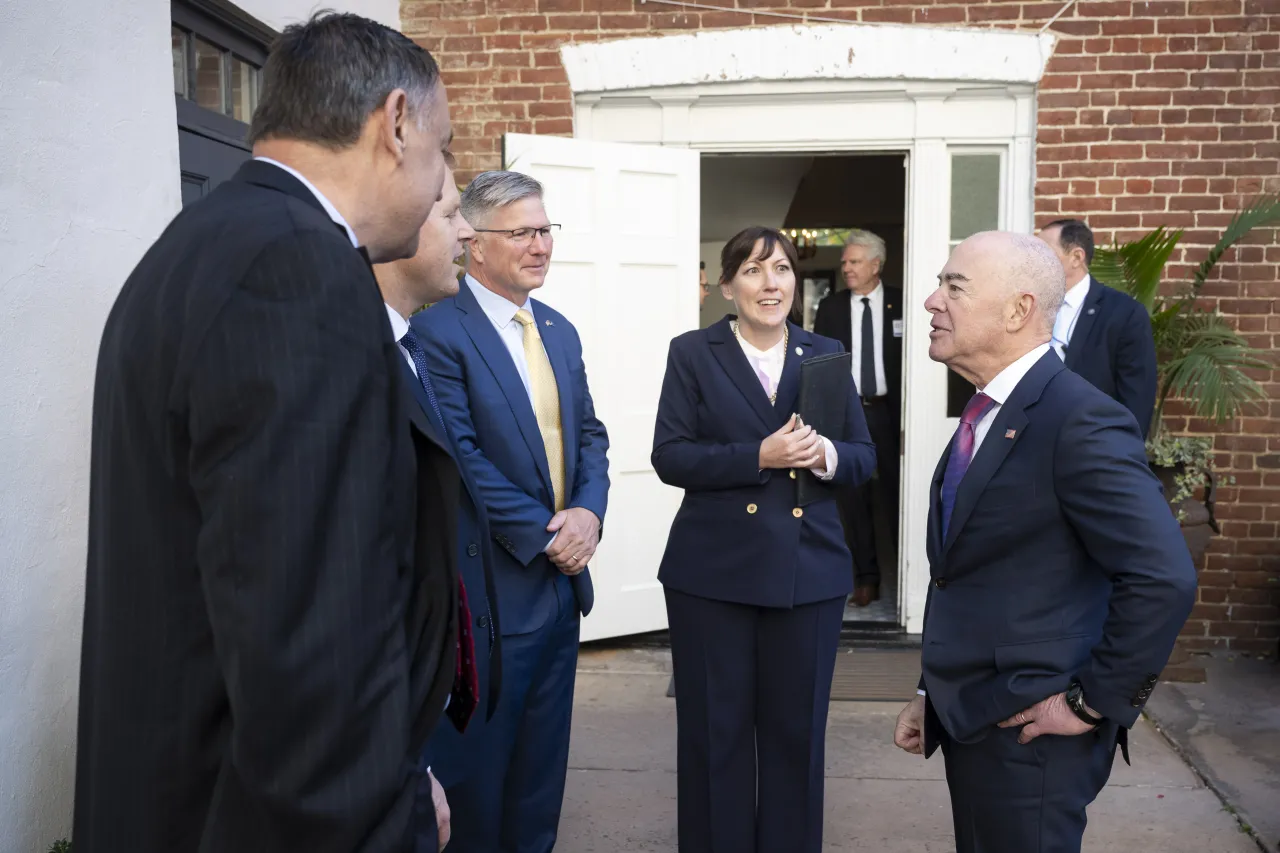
[[806, 242]]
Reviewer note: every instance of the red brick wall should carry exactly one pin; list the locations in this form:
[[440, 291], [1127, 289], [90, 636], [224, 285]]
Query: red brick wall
[[1151, 113]]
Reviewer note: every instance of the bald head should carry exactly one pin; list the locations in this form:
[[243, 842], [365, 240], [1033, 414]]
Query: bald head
[[996, 301]]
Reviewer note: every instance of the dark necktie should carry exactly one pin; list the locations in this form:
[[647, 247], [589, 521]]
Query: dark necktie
[[466, 679], [867, 384], [961, 453]]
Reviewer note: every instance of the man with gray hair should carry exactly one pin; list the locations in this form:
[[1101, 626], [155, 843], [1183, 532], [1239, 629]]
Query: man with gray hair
[[1059, 578], [510, 380], [267, 646], [867, 318]]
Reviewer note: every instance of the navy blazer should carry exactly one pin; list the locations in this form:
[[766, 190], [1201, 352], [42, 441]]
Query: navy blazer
[[448, 751], [1112, 346], [1062, 560], [489, 413], [739, 535]]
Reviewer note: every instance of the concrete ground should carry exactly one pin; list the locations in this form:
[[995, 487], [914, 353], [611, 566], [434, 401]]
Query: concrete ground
[[1229, 729], [621, 793]]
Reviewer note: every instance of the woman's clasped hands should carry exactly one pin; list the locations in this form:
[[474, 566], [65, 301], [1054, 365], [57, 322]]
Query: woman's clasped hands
[[795, 445]]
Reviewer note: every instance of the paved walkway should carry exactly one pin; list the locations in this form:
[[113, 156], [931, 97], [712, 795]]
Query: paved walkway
[[622, 785]]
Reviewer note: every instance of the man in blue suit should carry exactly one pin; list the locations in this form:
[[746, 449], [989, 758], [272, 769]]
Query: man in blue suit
[[406, 285], [1060, 579], [509, 376], [1102, 334]]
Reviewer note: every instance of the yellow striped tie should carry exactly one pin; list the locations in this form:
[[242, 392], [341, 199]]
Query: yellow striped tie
[[546, 402]]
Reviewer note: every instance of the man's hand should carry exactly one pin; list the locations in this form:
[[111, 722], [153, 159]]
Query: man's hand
[[1048, 717], [442, 811], [908, 733], [577, 534], [794, 446]]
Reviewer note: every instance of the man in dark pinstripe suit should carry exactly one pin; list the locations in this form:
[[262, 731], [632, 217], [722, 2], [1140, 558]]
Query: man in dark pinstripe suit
[[267, 644]]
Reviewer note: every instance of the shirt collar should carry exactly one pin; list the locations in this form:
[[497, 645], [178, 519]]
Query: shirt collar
[[324, 202], [1002, 386], [875, 295], [498, 309], [399, 325], [771, 352], [1077, 292]]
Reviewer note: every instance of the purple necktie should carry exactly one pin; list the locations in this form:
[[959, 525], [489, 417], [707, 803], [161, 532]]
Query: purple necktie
[[961, 453]]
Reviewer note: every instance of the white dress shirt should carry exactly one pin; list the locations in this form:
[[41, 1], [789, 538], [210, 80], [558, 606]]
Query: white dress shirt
[[772, 361], [876, 306], [400, 328], [324, 202], [502, 314], [1064, 325], [1000, 388]]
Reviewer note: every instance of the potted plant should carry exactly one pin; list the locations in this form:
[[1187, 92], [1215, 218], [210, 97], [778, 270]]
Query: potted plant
[[1201, 360]]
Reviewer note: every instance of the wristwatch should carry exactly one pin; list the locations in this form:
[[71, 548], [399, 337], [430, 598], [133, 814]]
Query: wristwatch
[[1075, 701]]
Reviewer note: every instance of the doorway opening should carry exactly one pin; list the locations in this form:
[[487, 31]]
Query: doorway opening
[[822, 198]]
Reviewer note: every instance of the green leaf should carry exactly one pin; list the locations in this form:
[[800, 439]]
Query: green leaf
[[1137, 267], [1263, 212], [1208, 367]]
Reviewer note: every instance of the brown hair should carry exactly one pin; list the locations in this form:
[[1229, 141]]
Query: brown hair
[[741, 248]]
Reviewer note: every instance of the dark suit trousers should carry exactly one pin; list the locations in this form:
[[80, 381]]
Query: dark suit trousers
[[1008, 797], [752, 689], [857, 504], [511, 801]]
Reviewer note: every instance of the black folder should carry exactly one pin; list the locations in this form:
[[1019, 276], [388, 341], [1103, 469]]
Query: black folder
[[823, 405]]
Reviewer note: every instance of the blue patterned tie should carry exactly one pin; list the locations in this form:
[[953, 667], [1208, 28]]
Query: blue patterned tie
[[413, 346]]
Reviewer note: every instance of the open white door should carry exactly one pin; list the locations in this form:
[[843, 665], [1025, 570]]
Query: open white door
[[624, 271]]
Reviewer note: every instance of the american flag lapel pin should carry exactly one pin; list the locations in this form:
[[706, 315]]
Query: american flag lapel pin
[[1010, 433]]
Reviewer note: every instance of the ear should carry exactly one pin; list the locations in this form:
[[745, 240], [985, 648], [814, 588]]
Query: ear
[[726, 290], [1020, 311], [393, 123], [878, 265]]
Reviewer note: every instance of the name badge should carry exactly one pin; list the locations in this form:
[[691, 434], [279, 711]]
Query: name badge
[[897, 328]]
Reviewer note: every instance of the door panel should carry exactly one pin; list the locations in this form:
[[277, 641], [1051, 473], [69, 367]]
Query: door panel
[[206, 163], [624, 271]]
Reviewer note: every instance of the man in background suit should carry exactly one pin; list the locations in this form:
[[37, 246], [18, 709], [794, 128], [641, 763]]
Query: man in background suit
[[266, 643], [867, 318], [509, 375], [1060, 579], [406, 285], [1100, 333]]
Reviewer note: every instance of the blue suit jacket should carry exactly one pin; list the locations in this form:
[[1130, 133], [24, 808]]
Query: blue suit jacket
[[497, 433], [1062, 560], [447, 749], [739, 535], [1112, 347]]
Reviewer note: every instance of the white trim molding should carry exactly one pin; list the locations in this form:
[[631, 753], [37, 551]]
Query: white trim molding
[[809, 52]]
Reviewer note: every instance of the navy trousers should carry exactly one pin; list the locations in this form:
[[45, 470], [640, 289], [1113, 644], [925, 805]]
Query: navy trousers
[[1008, 797], [510, 801], [752, 689]]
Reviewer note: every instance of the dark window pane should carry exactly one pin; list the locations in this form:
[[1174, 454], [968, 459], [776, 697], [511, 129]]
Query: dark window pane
[[179, 61], [244, 90], [210, 91]]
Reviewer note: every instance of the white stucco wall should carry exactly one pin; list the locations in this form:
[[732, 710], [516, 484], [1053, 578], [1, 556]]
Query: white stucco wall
[[88, 179]]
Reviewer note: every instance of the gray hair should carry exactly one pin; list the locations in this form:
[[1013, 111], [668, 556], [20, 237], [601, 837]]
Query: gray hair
[[325, 77], [869, 241], [1032, 267], [490, 191]]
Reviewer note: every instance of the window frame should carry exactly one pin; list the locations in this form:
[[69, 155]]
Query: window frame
[[233, 31]]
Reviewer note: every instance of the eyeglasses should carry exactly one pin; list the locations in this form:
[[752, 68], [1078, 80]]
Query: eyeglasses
[[523, 235]]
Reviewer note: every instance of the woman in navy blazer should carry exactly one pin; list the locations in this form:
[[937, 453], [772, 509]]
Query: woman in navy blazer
[[755, 584]]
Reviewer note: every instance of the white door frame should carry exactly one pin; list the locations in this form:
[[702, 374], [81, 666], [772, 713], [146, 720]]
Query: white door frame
[[929, 92]]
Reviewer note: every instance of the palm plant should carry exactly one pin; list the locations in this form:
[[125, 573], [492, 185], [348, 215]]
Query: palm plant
[[1200, 358]]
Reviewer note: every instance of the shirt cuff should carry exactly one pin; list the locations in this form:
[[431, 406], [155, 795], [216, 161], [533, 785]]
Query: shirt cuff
[[920, 692], [550, 541], [831, 460]]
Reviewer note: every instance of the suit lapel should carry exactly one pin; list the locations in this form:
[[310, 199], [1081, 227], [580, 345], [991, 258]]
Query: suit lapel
[[420, 407], [498, 358], [553, 342], [846, 319], [799, 348], [1007, 427], [1084, 323], [734, 361], [934, 543]]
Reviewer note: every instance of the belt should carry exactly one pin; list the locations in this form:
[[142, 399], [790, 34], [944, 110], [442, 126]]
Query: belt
[[868, 402]]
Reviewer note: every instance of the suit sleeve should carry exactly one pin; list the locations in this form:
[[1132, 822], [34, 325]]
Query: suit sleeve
[[513, 513], [591, 484], [679, 457], [823, 320], [1135, 367], [855, 450], [1115, 505], [291, 415]]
